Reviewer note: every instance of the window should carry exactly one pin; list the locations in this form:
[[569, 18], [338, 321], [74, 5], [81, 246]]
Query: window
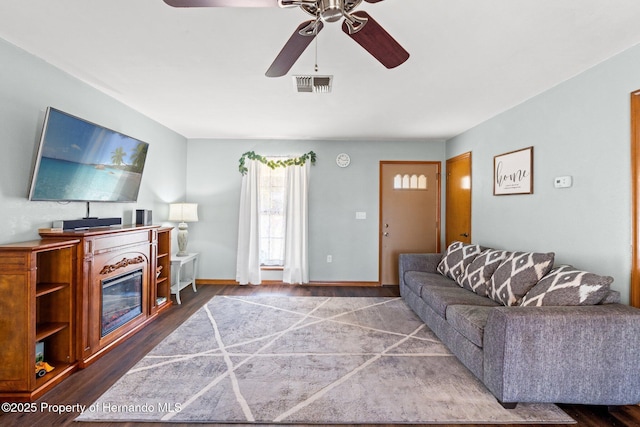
[[272, 216], [409, 182], [273, 219]]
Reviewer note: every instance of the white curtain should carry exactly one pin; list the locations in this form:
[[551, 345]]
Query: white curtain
[[296, 259], [248, 260]]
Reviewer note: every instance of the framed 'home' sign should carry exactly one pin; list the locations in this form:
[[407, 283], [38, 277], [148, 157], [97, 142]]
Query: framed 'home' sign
[[513, 172]]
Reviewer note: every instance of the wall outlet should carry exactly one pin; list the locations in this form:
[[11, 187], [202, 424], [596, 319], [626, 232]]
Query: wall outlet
[[329, 258]]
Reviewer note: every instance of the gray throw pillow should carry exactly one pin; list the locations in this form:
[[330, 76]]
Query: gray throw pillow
[[566, 285], [478, 274], [455, 260], [517, 274]]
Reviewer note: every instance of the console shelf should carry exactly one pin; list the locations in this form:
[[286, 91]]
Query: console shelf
[[161, 299], [37, 291], [45, 330], [46, 288]]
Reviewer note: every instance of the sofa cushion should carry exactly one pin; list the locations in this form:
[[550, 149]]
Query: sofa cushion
[[456, 258], [612, 297], [469, 321], [566, 285], [441, 297], [478, 274], [415, 280], [518, 273]]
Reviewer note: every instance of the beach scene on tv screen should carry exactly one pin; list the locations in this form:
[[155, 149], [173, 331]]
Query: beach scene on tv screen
[[82, 161]]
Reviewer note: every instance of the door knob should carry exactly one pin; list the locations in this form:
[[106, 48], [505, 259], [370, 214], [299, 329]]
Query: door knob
[[464, 235], [386, 234]]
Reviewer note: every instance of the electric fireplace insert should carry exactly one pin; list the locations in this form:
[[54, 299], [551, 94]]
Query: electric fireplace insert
[[121, 300]]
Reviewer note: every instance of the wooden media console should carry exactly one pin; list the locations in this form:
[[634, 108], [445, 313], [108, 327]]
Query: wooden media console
[[78, 294]]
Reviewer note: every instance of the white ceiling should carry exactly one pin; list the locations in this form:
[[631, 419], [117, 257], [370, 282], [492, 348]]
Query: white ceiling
[[200, 71]]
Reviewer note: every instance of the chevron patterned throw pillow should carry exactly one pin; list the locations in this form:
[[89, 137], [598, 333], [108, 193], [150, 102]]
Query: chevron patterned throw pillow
[[566, 285], [517, 274], [478, 274], [455, 261]]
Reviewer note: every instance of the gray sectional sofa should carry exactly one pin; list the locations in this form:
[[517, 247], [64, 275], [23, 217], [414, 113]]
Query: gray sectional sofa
[[531, 332]]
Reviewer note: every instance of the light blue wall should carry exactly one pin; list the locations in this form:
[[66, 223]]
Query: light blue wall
[[27, 86], [336, 195], [579, 128]]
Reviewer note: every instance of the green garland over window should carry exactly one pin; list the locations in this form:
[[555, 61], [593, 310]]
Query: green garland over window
[[298, 161]]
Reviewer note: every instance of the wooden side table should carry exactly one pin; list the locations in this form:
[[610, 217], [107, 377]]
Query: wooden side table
[[183, 276]]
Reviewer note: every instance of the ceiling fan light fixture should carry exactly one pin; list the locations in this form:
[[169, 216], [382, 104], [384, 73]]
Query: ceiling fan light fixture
[[331, 10], [312, 84]]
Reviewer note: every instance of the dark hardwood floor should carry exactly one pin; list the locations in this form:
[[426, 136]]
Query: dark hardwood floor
[[85, 386]]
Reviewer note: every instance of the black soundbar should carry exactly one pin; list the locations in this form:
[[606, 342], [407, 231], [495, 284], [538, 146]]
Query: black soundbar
[[76, 224]]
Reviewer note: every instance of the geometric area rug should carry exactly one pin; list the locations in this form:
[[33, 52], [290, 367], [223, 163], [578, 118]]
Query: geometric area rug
[[306, 360]]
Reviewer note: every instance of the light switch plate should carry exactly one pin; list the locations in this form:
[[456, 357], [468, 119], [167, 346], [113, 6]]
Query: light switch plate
[[361, 215]]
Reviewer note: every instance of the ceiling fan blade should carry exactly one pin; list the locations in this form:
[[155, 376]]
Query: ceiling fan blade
[[297, 43], [373, 1], [371, 36], [222, 3]]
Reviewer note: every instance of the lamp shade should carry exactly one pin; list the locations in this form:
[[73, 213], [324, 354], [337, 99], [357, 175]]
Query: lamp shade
[[183, 212]]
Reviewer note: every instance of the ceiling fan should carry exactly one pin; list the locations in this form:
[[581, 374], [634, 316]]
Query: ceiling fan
[[358, 25]]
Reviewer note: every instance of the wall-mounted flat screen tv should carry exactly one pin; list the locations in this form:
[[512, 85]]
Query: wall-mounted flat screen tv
[[80, 161]]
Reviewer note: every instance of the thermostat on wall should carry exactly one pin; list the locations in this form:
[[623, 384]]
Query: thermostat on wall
[[563, 182]]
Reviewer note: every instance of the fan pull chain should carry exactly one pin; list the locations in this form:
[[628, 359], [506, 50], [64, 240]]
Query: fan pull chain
[[316, 46]]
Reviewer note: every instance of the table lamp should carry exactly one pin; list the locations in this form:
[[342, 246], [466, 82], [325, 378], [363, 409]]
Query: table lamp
[[183, 213]]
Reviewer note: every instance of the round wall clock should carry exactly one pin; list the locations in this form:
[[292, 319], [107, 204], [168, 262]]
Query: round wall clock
[[343, 160]]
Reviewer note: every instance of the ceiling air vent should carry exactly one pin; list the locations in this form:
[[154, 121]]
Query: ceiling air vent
[[310, 84]]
